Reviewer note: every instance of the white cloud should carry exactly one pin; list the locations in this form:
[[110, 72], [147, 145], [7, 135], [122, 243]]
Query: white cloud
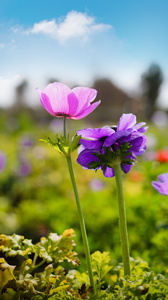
[[7, 88], [15, 29], [2, 45], [74, 25]]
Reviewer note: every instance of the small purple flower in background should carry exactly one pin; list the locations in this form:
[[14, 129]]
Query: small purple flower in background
[[59, 100], [56, 125], [127, 140], [162, 184], [2, 161], [26, 141], [25, 167], [96, 185]]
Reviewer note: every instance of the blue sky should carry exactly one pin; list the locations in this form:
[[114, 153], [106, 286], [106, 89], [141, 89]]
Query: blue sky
[[78, 41]]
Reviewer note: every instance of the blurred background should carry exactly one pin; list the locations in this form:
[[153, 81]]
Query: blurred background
[[120, 49]]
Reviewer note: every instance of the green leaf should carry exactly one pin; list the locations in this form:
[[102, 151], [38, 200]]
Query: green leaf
[[63, 145], [101, 265], [57, 248], [75, 143], [15, 245], [6, 273]]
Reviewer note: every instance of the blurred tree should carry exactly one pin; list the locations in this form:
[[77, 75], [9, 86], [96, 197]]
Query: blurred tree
[[51, 80], [20, 94], [151, 83], [114, 101]]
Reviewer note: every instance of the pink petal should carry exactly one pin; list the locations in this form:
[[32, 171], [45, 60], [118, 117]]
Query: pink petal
[[58, 93], [85, 96], [126, 121], [45, 101], [87, 111], [72, 103]]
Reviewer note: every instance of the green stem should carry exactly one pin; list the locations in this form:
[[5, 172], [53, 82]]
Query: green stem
[[64, 127], [38, 265], [81, 218], [82, 223], [122, 220]]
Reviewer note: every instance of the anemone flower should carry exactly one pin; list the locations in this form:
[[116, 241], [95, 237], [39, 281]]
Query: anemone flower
[[162, 184], [60, 101], [95, 142]]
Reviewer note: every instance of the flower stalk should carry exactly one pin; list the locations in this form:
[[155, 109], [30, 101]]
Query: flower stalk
[[80, 214], [122, 219]]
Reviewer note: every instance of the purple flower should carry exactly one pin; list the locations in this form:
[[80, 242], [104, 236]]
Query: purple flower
[[25, 167], [2, 161], [162, 184], [96, 185], [59, 100], [26, 141], [100, 147]]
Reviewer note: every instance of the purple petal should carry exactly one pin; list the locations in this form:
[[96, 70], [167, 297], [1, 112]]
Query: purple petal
[[138, 146], [126, 168], [115, 136], [108, 172], [163, 177], [157, 185], [86, 157], [2, 161], [45, 101], [164, 188], [80, 149], [126, 121], [138, 125], [85, 112], [143, 129], [92, 144], [129, 138], [96, 133]]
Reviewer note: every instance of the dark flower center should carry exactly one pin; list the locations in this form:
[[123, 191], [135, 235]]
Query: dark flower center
[[59, 114], [114, 127]]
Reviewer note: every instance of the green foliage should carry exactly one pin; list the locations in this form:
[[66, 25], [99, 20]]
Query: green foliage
[[100, 263], [6, 273], [43, 201], [39, 276], [142, 284]]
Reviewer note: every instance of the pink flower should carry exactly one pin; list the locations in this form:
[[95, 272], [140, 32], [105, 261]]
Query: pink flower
[[59, 100]]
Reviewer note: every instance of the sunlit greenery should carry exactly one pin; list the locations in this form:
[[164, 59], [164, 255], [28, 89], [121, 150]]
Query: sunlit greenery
[[36, 196]]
